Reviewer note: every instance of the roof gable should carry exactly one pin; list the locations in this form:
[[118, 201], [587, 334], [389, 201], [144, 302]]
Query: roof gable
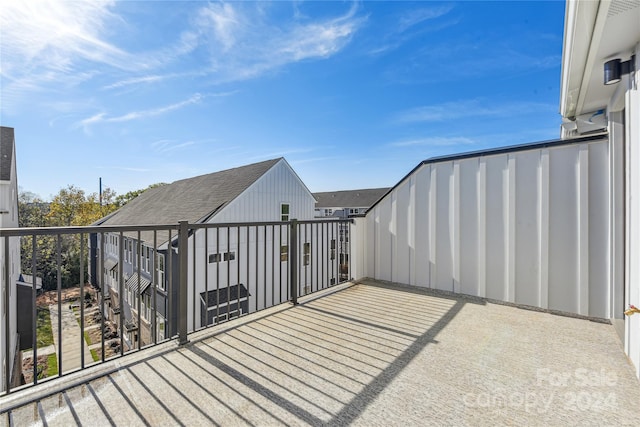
[[193, 199]]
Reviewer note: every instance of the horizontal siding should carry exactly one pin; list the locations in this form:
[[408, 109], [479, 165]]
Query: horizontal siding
[[528, 226]]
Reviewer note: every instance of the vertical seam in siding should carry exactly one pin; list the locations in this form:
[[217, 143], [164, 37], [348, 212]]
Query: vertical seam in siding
[[482, 227], [583, 230], [544, 229], [511, 232]]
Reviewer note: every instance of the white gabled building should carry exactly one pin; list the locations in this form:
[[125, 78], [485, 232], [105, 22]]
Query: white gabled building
[[268, 191], [11, 274], [600, 91]]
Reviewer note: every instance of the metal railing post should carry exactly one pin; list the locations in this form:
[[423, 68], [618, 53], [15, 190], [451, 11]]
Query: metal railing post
[[183, 261], [293, 260], [7, 312]]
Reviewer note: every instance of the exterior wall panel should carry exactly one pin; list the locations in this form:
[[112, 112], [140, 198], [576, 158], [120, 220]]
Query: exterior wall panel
[[468, 227], [528, 226]]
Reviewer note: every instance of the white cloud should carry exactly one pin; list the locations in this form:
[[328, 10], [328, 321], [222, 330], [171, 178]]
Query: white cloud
[[417, 16], [470, 108], [436, 141], [49, 35], [125, 168], [243, 41], [135, 115]]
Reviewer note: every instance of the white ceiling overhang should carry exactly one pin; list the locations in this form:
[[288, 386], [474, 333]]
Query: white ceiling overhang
[[595, 31]]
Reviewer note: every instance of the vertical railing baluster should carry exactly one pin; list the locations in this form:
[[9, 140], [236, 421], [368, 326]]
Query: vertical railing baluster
[[7, 312], [206, 277], [82, 342], [273, 265], [293, 260], [218, 260], [247, 262], [256, 270], [288, 285], [101, 283], [183, 248], [59, 287], [154, 289], [306, 261], [169, 288], [238, 267], [228, 265], [324, 276], [264, 265], [314, 254], [137, 293], [34, 307], [193, 281], [121, 289]]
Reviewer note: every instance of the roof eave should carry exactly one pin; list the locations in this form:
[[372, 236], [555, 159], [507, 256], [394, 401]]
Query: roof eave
[[580, 19]]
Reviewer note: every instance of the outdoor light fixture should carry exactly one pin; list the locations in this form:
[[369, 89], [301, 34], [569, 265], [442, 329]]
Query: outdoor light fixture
[[615, 69]]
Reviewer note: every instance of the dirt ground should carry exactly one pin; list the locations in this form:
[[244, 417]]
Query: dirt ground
[[27, 368], [51, 297]]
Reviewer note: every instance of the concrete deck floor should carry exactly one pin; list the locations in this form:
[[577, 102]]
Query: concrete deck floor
[[369, 355]]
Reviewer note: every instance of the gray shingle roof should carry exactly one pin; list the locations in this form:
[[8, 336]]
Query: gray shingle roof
[[6, 152], [350, 198], [193, 199]]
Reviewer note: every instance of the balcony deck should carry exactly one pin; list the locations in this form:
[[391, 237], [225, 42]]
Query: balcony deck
[[363, 354]]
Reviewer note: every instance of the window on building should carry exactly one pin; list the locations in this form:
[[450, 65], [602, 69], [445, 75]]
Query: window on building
[[284, 253], [160, 270], [306, 252], [284, 212], [224, 256], [147, 259]]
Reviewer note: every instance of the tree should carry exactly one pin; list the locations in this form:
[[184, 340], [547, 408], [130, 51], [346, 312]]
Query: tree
[[70, 207], [123, 199]]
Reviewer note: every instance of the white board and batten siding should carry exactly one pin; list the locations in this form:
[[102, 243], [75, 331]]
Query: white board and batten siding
[[528, 226], [258, 247], [262, 200]]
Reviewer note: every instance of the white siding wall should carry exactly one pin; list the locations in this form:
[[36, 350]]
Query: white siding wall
[[528, 226], [632, 285], [9, 203], [261, 202]]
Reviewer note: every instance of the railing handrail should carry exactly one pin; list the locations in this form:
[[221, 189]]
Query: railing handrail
[[88, 229]]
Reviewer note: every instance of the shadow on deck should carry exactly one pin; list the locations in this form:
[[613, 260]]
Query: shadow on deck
[[365, 354]]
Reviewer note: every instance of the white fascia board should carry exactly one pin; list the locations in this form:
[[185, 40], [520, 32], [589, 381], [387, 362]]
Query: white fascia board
[[580, 19]]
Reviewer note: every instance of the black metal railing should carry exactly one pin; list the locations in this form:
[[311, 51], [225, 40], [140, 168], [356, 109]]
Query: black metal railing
[[137, 286]]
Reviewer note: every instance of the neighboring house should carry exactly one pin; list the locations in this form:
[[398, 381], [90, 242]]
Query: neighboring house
[[260, 192], [600, 81], [341, 204], [8, 272]]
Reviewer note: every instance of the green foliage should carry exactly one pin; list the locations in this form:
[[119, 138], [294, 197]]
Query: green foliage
[[43, 325], [123, 199], [70, 207], [52, 365]]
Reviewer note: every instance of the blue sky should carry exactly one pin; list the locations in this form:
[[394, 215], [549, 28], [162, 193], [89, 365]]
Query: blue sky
[[353, 95]]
